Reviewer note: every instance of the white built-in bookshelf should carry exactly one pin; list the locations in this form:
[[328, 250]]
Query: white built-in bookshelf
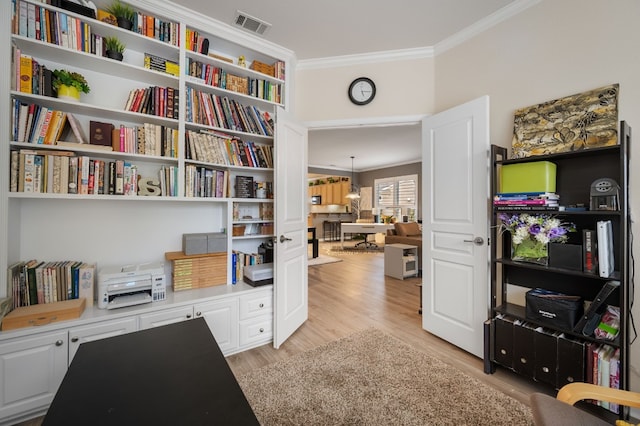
[[49, 223]]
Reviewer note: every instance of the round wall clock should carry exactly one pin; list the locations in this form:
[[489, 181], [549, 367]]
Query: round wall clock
[[362, 90]]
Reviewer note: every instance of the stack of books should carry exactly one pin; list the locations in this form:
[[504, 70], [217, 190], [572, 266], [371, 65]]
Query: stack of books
[[526, 201]]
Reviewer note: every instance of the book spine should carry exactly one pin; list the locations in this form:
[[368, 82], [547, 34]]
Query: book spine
[[590, 257]]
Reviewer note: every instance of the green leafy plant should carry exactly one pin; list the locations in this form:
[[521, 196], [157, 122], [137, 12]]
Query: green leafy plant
[[114, 44], [70, 78], [121, 10]]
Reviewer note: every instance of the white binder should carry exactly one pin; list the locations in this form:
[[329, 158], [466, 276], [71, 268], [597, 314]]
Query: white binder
[[605, 248]]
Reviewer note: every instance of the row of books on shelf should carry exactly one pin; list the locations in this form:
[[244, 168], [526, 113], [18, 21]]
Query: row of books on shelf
[[32, 123], [153, 27], [526, 200], [218, 148], [219, 77], [147, 139], [37, 21], [220, 111], [154, 100], [36, 282], [239, 260], [51, 26], [35, 124], [61, 172], [29, 76], [603, 369], [206, 182]]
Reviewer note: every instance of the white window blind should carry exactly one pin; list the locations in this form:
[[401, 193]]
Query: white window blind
[[397, 195]]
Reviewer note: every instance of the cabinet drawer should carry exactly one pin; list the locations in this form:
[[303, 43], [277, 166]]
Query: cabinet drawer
[[102, 330], [504, 341], [165, 317], [254, 305], [256, 331]]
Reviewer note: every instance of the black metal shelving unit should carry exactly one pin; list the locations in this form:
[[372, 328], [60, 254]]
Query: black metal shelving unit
[[575, 171]]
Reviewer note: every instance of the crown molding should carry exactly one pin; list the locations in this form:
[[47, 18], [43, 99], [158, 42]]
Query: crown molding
[[484, 24], [366, 58], [421, 52], [352, 123]]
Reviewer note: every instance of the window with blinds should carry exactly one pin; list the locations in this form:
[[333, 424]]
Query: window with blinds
[[397, 196]]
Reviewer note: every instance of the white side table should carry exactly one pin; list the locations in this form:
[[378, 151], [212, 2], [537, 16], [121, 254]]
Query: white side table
[[400, 261]]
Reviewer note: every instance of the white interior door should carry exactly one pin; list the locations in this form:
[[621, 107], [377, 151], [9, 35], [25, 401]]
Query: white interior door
[[455, 182], [291, 301]]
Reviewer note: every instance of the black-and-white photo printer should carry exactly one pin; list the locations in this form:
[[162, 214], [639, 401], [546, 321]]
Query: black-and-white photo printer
[[131, 285]]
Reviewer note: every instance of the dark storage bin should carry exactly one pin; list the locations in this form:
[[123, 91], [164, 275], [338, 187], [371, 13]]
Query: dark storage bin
[[556, 310], [523, 349], [566, 256], [545, 343], [571, 361], [504, 341]]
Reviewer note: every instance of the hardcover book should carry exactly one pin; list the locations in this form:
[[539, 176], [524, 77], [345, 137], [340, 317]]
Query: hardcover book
[[100, 133], [244, 186]]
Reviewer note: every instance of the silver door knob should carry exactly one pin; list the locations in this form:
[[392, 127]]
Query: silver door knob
[[477, 241], [283, 239]]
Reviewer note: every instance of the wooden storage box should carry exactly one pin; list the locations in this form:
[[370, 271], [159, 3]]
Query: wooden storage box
[[44, 314], [263, 68], [238, 230], [198, 270], [237, 84]]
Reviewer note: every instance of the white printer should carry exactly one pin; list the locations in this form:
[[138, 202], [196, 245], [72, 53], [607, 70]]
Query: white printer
[[131, 285]]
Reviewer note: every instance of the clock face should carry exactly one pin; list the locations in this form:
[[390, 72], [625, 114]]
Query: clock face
[[362, 91]]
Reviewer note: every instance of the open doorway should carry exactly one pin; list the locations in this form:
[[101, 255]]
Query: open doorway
[[381, 147]]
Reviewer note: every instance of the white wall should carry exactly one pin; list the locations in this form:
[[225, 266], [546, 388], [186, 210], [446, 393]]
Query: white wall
[[551, 50], [403, 87]]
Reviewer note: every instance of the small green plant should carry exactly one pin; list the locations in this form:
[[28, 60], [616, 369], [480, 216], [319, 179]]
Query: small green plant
[[70, 78], [114, 44], [121, 10]]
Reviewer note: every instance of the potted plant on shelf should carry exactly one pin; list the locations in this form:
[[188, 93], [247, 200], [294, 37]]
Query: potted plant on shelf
[[114, 48], [124, 14], [69, 84]]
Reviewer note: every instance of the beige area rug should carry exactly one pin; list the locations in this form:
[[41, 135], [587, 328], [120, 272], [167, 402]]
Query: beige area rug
[[322, 260], [370, 378]]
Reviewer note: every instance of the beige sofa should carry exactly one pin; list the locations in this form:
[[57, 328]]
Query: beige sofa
[[406, 233]]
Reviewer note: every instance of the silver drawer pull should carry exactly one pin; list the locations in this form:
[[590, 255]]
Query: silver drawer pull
[[262, 330], [59, 343], [262, 305]]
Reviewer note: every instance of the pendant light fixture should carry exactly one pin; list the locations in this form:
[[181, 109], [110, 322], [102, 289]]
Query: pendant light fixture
[[353, 194]]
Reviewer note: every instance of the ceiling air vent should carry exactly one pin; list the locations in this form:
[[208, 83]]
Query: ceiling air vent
[[250, 23]]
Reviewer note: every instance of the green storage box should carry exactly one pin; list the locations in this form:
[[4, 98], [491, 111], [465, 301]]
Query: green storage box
[[538, 176]]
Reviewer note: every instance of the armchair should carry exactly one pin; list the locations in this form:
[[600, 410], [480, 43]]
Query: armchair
[[559, 411]]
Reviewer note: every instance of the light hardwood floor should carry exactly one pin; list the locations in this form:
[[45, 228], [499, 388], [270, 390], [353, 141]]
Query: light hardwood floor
[[354, 294]]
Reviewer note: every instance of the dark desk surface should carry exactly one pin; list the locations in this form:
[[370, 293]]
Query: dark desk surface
[[169, 375]]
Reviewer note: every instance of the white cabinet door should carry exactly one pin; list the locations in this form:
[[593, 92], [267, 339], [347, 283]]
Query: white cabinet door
[[99, 331], [31, 369], [222, 319], [168, 316]]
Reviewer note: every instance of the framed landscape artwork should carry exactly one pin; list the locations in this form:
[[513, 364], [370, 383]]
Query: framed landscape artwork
[[582, 121]]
